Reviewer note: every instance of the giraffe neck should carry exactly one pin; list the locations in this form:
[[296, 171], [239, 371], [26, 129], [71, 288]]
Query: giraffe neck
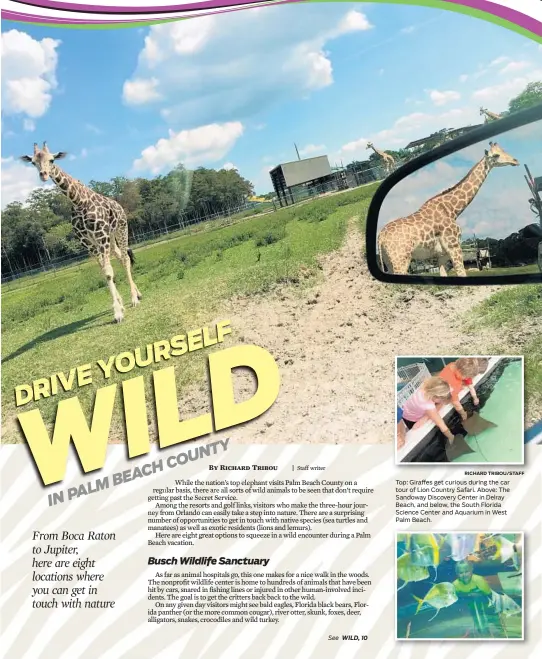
[[464, 192], [69, 186]]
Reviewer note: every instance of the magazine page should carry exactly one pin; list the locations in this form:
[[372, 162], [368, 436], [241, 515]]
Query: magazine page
[[271, 329]]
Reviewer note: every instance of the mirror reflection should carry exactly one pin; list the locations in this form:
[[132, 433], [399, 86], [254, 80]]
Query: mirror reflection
[[476, 212]]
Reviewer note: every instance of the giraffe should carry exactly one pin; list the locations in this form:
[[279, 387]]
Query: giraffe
[[432, 230], [98, 222], [389, 162], [489, 116]]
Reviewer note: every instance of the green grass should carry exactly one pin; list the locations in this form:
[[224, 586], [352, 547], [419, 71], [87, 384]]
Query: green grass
[[517, 313], [61, 320], [499, 272]]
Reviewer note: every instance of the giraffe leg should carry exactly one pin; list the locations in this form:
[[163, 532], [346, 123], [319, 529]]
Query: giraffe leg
[[456, 254], [442, 265], [107, 269], [99, 251], [451, 244], [121, 252]]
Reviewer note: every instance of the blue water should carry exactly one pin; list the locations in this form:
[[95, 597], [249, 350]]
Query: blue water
[[504, 407]]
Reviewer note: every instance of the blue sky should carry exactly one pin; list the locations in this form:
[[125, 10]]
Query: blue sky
[[238, 89]]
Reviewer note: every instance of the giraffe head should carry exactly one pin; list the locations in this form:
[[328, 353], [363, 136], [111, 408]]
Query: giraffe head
[[497, 157], [369, 145], [482, 111], [43, 159]]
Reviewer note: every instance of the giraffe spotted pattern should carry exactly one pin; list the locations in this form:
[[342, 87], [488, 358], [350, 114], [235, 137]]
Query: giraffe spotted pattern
[[432, 231], [99, 223]]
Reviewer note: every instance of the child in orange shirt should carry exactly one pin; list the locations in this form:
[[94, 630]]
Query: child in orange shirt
[[458, 375]]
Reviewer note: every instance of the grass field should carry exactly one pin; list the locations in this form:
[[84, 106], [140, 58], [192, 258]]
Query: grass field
[[54, 322], [517, 312], [499, 272]]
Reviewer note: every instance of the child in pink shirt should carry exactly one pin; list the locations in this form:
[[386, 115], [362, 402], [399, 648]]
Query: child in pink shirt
[[426, 401]]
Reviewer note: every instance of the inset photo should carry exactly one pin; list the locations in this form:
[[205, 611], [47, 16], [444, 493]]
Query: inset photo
[[461, 409], [459, 586]]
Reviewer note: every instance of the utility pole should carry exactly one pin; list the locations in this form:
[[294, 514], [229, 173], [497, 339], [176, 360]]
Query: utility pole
[[296, 150]]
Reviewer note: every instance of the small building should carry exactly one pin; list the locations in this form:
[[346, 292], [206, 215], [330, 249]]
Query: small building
[[299, 179]]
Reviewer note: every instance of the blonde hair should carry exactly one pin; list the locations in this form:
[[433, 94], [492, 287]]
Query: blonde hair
[[467, 366], [436, 387], [483, 363]]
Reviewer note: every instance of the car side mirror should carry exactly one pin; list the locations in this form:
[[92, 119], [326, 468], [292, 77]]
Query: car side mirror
[[468, 211]]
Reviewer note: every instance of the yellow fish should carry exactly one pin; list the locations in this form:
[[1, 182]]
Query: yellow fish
[[408, 572], [439, 597], [425, 549]]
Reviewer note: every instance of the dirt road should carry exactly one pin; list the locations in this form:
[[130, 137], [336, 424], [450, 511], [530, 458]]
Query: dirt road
[[335, 345]]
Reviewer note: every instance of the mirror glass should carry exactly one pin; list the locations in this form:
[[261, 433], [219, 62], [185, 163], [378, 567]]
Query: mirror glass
[[476, 212]]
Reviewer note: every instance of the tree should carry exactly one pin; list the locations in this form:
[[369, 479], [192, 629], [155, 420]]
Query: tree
[[531, 95]]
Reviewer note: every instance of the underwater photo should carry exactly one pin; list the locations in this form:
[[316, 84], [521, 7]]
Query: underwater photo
[[460, 409], [460, 586]]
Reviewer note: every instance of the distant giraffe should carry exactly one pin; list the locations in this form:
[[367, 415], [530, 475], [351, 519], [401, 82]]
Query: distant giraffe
[[98, 222], [389, 161], [433, 230], [489, 116]]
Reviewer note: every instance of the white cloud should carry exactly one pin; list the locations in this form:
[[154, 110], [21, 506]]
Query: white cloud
[[93, 129], [408, 128], [18, 181], [473, 76], [354, 149], [354, 21], [409, 29], [82, 154], [444, 97], [140, 91], [230, 67], [312, 149], [417, 125], [512, 67], [499, 95], [505, 65], [205, 144], [29, 125], [499, 60], [230, 165], [28, 73]]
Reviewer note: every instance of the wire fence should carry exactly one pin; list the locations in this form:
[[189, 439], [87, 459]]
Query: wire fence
[[344, 179]]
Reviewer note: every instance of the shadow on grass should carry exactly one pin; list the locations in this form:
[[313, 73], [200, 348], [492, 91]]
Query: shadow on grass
[[63, 330]]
